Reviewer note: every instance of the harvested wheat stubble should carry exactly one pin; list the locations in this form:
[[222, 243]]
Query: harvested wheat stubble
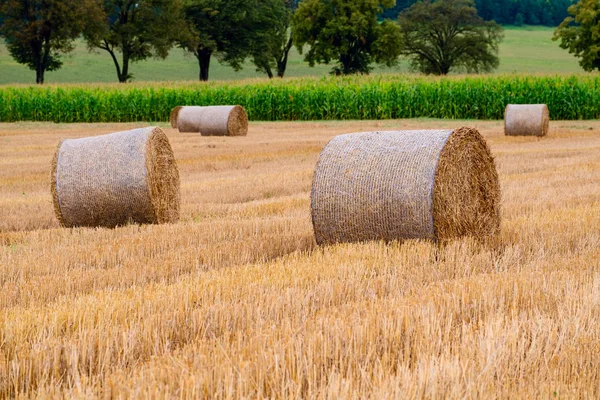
[[526, 120], [211, 121], [430, 184], [115, 179]]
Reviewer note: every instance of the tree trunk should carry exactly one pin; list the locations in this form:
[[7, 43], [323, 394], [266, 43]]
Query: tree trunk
[[267, 68], [445, 68], [124, 76], [203, 56], [282, 63], [114, 58], [346, 62], [39, 75], [38, 59]]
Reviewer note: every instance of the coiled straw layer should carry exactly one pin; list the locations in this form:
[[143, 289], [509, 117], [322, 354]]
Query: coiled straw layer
[[526, 120], [211, 121], [115, 179], [432, 184]]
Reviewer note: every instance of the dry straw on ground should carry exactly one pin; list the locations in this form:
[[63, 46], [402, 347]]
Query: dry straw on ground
[[211, 121], [431, 184], [115, 179], [526, 120], [234, 303]]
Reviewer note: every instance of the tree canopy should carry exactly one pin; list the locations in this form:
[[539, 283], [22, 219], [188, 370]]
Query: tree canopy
[[39, 32], [272, 44], [508, 12], [580, 33], [135, 30], [346, 31], [220, 27], [448, 34]]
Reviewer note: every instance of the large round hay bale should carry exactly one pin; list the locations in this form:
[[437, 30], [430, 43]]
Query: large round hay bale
[[526, 120], [115, 179], [211, 121], [430, 184]]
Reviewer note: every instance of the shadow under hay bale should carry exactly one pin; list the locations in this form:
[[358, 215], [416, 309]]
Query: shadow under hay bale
[[431, 184], [526, 120], [115, 179], [211, 121]]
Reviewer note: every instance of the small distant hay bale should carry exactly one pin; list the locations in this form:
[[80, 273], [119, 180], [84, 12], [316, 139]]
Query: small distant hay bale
[[526, 120], [211, 121], [430, 184], [115, 179]]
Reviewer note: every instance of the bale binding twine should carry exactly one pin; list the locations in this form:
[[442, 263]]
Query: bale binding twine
[[526, 120], [428, 184], [115, 179], [211, 121]]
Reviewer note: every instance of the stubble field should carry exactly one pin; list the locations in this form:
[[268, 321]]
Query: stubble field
[[236, 300]]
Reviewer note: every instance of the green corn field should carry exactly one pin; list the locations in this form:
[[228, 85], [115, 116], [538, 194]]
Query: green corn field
[[357, 97]]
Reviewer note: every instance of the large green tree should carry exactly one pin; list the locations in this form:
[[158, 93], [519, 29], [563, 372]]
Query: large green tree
[[580, 33], [444, 35], [224, 28], [348, 32], [134, 30], [39, 32], [272, 41]]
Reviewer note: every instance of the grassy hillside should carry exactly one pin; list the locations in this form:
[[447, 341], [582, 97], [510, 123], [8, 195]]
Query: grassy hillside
[[526, 50]]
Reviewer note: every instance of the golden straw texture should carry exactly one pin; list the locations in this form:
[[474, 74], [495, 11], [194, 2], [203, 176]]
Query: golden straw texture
[[163, 178], [526, 120], [211, 121], [466, 196], [384, 186], [115, 179]]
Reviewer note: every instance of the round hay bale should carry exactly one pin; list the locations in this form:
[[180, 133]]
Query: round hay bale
[[115, 179], [526, 120], [431, 184], [212, 121]]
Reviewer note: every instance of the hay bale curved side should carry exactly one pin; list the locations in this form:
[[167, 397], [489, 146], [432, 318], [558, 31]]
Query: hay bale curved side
[[213, 120], [526, 120], [115, 179], [384, 186]]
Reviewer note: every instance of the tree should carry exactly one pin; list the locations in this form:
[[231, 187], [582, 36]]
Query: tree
[[271, 46], [548, 12], [39, 32], [221, 27], [137, 29], [448, 34], [346, 31], [579, 33]]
